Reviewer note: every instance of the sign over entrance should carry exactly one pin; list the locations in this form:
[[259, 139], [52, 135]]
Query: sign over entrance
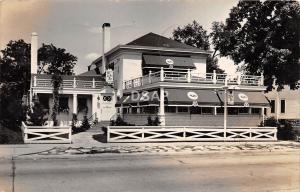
[[243, 97], [192, 95]]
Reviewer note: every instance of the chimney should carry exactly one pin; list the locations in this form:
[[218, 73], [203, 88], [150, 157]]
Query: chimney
[[34, 53], [105, 44]]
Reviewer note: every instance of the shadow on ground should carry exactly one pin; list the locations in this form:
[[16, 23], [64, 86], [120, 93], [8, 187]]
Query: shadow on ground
[[100, 138]]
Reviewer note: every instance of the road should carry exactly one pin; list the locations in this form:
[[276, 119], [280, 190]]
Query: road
[[136, 173]]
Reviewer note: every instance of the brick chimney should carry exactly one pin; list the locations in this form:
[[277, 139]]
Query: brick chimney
[[34, 53], [105, 44]]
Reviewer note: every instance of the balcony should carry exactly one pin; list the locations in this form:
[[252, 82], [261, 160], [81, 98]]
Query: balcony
[[69, 82], [190, 77]]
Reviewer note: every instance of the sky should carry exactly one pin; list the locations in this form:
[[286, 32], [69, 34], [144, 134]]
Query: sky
[[76, 24]]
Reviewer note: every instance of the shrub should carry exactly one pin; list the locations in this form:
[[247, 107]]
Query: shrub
[[36, 115], [8, 136], [285, 130], [85, 124], [154, 122], [120, 122]]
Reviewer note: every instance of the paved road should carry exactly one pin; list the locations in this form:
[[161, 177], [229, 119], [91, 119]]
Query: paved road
[[136, 173]]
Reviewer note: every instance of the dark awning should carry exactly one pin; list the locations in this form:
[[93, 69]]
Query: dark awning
[[167, 61], [252, 98], [191, 97]]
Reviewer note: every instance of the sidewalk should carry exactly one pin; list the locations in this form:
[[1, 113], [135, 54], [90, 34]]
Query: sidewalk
[[84, 144]]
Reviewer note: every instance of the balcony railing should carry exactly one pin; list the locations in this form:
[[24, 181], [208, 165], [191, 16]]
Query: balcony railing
[[190, 77], [40, 82]]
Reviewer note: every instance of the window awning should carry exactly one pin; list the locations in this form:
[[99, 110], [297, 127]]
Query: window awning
[[252, 98], [167, 61], [191, 97]]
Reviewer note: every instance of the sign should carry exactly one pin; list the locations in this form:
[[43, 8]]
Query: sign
[[192, 95], [243, 97], [230, 98], [246, 104], [195, 103], [169, 61], [109, 77]]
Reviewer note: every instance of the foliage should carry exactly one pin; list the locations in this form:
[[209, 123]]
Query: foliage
[[74, 122], [154, 122], [14, 82], [264, 36], [194, 35], [7, 136], [85, 124], [36, 115], [120, 122], [285, 130]]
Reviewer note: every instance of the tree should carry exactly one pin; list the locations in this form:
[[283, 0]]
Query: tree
[[56, 62], [15, 76], [14, 82], [194, 35], [264, 36]]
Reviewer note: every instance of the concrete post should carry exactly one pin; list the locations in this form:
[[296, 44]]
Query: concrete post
[[189, 78], [75, 103], [74, 82], [161, 113], [214, 77]]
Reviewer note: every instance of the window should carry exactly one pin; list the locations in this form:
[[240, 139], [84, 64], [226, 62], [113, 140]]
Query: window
[[272, 103], [255, 110], [151, 109], [170, 109], [282, 106], [243, 110], [195, 110], [134, 110], [125, 110], [207, 110], [220, 110], [232, 111], [82, 104], [183, 109], [63, 104]]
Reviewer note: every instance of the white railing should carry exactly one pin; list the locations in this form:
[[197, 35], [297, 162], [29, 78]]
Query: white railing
[[81, 84], [189, 133], [188, 77], [46, 134]]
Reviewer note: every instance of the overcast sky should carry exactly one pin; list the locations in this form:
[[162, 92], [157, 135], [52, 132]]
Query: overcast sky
[[76, 24]]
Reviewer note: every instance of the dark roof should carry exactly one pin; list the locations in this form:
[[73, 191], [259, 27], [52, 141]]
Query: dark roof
[[155, 40], [92, 72]]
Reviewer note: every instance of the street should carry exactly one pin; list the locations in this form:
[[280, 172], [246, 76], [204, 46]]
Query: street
[[206, 172]]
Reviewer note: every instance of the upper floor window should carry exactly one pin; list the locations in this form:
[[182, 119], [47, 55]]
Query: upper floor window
[[282, 106], [272, 103]]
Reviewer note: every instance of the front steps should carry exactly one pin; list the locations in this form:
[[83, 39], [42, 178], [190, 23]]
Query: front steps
[[97, 128]]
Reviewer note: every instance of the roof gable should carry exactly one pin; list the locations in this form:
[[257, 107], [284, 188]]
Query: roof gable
[[155, 40]]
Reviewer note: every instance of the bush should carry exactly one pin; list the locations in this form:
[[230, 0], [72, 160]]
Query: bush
[[36, 115], [8, 136], [154, 122], [120, 122], [85, 124], [285, 130]]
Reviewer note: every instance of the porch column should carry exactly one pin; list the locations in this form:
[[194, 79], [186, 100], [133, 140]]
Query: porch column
[[75, 103], [161, 112], [94, 106]]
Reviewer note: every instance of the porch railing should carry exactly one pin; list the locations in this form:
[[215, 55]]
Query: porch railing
[[189, 133], [82, 84], [190, 77]]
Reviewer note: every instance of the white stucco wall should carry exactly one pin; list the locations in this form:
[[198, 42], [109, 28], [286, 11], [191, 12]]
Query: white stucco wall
[[132, 66], [200, 64]]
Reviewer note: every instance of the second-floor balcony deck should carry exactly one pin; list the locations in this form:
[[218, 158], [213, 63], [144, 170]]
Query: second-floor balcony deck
[[190, 77], [43, 81]]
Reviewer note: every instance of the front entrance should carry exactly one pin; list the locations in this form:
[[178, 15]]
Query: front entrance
[[106, 104]]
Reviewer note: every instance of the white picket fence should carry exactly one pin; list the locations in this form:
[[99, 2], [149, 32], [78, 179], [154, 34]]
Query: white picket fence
[[189, 133], [46, 134]]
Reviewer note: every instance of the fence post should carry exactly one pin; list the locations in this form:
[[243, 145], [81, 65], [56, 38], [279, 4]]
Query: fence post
[[161, 74], [214, 77], [184, 132], [70, 134]]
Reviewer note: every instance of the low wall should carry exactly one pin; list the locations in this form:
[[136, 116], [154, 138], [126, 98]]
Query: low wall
[[195, 120]]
